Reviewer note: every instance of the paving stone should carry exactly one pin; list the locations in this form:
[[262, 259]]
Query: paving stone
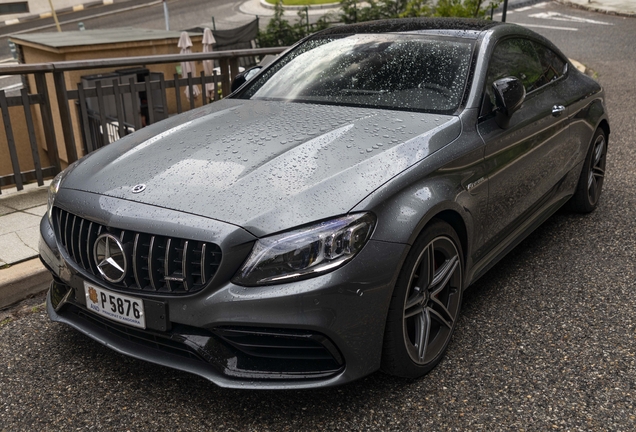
[[38, 211], [25, 200], [13, 249], [17, 221], [5, 210], [29, 237]]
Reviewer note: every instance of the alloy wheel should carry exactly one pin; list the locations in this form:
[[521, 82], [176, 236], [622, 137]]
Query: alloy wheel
[[432, 302], [596, 170]]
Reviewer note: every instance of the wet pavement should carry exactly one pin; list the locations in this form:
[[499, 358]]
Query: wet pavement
[[20, 214]]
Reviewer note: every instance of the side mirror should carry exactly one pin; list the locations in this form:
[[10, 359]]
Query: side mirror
[[244, 77], [509, 95]]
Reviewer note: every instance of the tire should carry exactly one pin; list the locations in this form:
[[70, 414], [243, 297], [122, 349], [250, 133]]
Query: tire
[[421, 321], [588, 189]]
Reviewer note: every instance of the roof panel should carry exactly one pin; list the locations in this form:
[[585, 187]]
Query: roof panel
[[96, 37]]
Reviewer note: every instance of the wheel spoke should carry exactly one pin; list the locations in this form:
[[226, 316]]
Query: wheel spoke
[[598, 152], [423, 328], [448, 321], [427, 267], [598, 173], [444, 273], [418, 308], [415, 299], [592, 187]]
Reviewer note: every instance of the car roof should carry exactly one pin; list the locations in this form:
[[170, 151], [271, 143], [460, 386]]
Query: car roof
[[455, 26]]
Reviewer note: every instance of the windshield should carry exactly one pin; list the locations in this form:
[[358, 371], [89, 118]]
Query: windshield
[[393, 71]]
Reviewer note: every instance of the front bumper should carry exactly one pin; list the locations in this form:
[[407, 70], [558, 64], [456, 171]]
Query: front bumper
[[318, 332]]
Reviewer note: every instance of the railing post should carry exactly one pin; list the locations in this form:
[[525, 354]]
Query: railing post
[[102, 114], [191, 90], [121, 129], [10, 141], [234, 69], [225, 77], [164, 98], [134, 101], [47, 120], [65, 115], [149, 101], [84, 118], [177, 93], [37, 166]]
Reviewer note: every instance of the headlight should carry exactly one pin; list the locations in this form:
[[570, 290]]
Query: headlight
[[54, 188], [306, 252]]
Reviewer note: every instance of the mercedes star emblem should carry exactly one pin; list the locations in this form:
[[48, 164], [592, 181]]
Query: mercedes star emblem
[[110, 258], [139, 188]]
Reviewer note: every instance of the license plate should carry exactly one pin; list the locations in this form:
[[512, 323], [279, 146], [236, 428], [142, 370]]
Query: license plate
[[117, 307]]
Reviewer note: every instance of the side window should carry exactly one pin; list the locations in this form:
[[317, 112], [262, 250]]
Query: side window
[[552, 65], [512, 57]]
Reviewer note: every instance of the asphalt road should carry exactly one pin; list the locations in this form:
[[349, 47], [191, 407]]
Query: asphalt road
[[547, 338]]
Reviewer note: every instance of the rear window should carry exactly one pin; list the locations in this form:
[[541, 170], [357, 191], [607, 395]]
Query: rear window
[[392, 71]]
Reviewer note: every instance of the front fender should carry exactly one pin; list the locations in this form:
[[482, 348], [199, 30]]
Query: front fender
[[450, 184], [402, 219]]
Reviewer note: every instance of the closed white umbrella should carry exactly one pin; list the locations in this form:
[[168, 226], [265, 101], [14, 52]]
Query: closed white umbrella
[[208, 65], [187, 67]]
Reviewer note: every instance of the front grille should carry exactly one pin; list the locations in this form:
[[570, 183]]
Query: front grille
[[156, 263]]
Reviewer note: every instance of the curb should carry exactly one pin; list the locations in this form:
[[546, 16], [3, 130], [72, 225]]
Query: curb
[[596, 9], [22, 280], [75, 8], [336, 5], [333, 5], [580, 66], [517, 5]]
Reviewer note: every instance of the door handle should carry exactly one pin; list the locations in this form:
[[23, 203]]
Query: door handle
[[557, 110]]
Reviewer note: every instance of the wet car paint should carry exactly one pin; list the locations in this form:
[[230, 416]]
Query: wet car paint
[[308, 162]]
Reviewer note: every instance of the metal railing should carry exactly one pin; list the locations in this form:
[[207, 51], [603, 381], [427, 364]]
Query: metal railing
[[97, 127]]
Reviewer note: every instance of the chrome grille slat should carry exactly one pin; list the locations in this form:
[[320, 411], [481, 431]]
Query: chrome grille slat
[[73, 231], [167, 264], [135, 262], [152, 270], [203, 250], [79, 243], [67, 232], [159, 264], [90, 240], [88, 246], [185, 265]]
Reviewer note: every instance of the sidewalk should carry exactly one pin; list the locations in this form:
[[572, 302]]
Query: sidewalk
[[21, 273], [613, 7], [20, 214]]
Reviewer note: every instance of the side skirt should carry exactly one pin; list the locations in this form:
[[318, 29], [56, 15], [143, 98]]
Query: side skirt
[[514, 238]]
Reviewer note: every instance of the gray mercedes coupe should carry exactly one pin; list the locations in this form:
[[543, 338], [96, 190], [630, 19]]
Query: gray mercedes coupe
[[322, 222]]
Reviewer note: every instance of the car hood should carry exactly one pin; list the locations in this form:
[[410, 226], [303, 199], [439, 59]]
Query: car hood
[[265, 166]]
